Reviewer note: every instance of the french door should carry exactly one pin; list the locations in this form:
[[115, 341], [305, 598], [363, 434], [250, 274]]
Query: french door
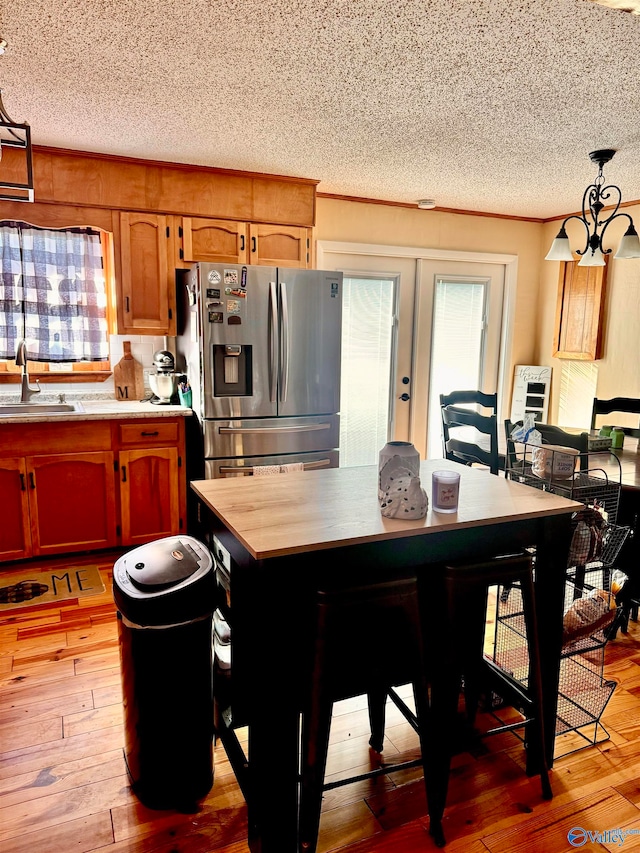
[[458, 337], [412, 328]]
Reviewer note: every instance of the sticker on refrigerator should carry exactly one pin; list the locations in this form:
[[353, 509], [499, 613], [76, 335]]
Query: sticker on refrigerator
[[213, 277], [243, 278], [231, 277], [233, 306], [214, 292], [215, 317], [235, 291], [334, 289]]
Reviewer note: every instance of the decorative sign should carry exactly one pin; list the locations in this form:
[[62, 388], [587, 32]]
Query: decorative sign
[[531, 386]]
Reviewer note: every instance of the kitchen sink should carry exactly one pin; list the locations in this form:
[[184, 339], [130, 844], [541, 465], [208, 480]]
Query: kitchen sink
[[39, 409]]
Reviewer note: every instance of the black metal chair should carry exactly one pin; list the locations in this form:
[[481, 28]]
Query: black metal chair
[[478, 398], [453, 605], [627, 405], [460, 427], [458, 629], [366, 639]]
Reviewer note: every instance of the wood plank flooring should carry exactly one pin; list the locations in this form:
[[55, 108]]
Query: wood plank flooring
[[64, 787]]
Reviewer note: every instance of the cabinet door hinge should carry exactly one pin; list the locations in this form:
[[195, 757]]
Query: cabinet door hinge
[[115, 464], [179, 461], [168, 231], [170, 313], [118, 530], [181, 524]]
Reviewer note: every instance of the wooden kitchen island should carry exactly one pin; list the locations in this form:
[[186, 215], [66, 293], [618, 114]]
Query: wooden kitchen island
[[288, 533]]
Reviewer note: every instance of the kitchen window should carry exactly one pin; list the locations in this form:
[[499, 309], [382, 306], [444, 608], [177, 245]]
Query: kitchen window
[[54, 293]]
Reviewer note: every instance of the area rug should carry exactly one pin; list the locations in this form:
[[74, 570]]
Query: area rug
[[47, 587]]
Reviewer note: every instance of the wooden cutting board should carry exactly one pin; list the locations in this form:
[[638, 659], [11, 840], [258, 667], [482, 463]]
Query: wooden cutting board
[[128, 379]]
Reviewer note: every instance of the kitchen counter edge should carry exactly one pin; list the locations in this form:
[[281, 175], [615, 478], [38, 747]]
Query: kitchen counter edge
[[100, 410]]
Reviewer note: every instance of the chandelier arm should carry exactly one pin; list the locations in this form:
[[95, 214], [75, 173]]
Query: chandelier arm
[[604, 195], [582, 219], [608, 222]]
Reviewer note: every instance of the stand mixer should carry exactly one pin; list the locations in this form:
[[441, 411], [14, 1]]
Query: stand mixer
[[164, 382]]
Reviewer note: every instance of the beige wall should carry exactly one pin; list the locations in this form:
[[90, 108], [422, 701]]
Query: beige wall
[[359, 222], [618, 369]]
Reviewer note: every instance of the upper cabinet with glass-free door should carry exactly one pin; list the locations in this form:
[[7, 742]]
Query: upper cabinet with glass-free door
[[230, 242], [146, 291]]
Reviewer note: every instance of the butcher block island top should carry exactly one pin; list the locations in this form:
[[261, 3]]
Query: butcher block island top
[[314, 510]]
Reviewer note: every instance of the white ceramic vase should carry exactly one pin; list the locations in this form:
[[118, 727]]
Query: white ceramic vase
[[396, 458]]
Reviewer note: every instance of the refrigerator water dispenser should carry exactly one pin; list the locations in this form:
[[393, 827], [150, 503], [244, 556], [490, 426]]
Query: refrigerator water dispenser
[[232, 374]]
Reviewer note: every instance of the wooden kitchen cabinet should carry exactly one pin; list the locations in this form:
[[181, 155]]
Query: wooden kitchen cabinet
[[149, 497], [225, 241], [280, 245], [146, 297], [56, 504], [15, 536], [152, 493], [71, 502], [214, 240], [83, 486]]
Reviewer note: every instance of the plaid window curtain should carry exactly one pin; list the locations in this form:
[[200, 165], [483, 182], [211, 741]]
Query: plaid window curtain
[[52, 293]]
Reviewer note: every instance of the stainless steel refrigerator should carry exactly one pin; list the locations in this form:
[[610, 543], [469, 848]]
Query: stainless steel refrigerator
[[261, 348]]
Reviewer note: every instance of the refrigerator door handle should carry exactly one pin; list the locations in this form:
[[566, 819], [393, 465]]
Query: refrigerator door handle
[[308, 466], [284, 343], [273, 339], [272, 430]]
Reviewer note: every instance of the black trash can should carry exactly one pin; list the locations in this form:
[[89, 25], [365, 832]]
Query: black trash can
[[165, 592]]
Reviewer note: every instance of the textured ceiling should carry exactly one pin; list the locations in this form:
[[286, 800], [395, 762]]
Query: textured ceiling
[[480, 104]]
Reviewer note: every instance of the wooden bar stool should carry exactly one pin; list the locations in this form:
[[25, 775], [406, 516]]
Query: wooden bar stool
[[367, 639], [457, 623]]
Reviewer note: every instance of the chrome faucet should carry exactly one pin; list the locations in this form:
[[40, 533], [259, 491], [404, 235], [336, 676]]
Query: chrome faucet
[[26, 391]]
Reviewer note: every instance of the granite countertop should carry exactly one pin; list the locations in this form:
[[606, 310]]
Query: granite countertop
[[97, 410]]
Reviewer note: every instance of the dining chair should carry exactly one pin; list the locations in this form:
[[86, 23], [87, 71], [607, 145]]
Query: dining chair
[[453, 614], [478, 398], [551, 434], [351, 656], [627, 405], [460, 427]]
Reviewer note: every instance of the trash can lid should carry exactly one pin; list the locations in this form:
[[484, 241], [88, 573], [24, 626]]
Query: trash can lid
[[162, 564]]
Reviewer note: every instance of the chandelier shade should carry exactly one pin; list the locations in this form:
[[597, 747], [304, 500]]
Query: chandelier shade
[[595, 198]]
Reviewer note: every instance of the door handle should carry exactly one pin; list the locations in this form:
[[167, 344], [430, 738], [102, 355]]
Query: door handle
[[285, 352], [123, 468], [283, 430], [273, 341], [32, 480]]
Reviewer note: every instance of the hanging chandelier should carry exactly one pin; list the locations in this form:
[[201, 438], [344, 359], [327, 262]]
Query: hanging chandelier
[[16, 136], [593, 201]]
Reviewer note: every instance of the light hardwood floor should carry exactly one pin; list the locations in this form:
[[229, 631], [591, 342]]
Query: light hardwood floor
[[63, 784]]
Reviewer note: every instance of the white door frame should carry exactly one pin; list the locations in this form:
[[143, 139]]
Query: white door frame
[[510, 263]]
